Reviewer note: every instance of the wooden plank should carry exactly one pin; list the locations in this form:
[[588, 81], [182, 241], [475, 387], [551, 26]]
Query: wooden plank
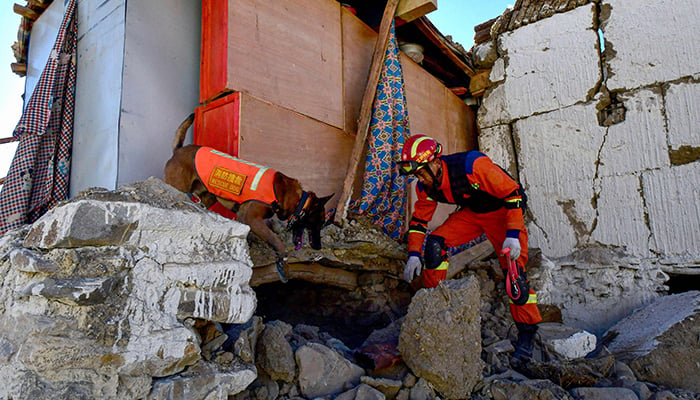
[[482, 36], [19, 68], [459, 261], [311, 151], [479, 82], [366, 108], [311, 272], [9, 139], [287, 52], [429, 30], [25, 12], [486, 25], [408, 10], [38, 4]]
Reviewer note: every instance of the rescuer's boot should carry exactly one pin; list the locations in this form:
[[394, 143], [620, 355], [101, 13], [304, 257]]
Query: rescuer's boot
[[526, 341]]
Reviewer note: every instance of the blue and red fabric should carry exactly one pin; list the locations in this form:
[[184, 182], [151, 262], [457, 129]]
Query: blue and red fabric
[[39, 173], [383, 196]]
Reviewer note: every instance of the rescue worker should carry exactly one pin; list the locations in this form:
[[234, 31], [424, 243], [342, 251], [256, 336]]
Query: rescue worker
[[490, 202]]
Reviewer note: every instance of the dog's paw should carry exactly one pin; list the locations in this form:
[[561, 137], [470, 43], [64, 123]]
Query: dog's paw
[[281, 262]]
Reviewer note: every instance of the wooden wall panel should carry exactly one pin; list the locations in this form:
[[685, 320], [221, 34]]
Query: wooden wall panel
[[358, 45], [425, 97], [287, 52], [460, 123], [311, 151]]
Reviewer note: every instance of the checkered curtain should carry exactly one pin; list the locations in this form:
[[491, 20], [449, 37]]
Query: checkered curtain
[[39, 173], [384, 190]]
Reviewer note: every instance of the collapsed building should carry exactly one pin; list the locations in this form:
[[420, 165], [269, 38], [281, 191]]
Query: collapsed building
[[590, 103]]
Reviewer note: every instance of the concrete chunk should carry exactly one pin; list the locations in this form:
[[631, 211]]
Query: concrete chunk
[[565, 341], [661, 334]]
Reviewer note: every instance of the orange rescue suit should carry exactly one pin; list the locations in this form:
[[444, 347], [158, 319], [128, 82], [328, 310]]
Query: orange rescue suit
[[490, 203], [234, 179]]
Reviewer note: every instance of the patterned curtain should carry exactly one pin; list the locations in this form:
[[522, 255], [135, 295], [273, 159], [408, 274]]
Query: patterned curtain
[[384, 190], [39, 173]]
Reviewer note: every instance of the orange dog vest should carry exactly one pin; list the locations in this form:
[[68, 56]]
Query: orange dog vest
[[234, 179]]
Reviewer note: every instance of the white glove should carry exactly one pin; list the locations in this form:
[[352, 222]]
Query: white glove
[[514, 245], [412, 269]]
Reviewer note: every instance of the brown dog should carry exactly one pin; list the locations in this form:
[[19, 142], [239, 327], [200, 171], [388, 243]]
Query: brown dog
[[253, 192]]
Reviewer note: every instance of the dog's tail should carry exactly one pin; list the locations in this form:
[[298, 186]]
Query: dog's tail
[[182, 131]]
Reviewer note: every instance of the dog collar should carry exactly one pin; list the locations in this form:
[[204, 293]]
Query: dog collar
[[300, 210]]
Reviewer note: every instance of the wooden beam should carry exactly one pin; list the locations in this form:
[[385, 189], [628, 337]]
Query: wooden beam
[[425, 26], [408, 10], [19, 69], [26, 12], [311, 272], [38, 4], [366, 108], [459, 261], [9, 139], [480, 82]]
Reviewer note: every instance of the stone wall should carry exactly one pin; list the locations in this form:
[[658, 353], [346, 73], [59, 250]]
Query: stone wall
[[596, 110]]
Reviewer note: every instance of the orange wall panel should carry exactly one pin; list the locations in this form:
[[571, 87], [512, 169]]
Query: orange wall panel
[[287, 52], [216, 124]]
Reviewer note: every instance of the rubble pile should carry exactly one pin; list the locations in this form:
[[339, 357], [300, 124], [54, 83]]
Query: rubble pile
[[136, 293]]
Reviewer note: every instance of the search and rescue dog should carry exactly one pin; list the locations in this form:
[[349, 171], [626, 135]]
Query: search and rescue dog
[[252, 191]]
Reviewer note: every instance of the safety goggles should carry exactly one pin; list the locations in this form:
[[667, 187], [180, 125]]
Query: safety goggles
[[410, 167]]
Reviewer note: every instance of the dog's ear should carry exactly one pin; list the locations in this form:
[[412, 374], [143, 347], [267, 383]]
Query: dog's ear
[[324, 200]]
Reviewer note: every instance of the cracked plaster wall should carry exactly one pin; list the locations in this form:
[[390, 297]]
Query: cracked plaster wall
[[629, 187]]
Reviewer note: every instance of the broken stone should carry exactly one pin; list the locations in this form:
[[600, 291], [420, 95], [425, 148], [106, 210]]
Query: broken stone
[[422, 391], [26, 260], [204, 381], [570, 373], [526, 389], [323, 371], [389, 387], [76, 291], [661, 334], [484, 54], [361, 392], [246, 338], [596, 393], [7, 349], [566, 342], [274, 354], [503, 346], [215, 304], [441, 336]]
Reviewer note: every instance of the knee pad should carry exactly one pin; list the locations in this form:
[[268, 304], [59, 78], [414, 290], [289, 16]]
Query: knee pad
[[434, 254]]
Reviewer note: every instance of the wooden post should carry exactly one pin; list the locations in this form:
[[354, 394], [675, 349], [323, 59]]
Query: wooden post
[[366, 108]]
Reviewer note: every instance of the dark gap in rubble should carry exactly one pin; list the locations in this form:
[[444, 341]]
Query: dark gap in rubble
[[350, 316], [680, 283]]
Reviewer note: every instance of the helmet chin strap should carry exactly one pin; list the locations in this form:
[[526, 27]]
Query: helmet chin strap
[[436, 177]]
